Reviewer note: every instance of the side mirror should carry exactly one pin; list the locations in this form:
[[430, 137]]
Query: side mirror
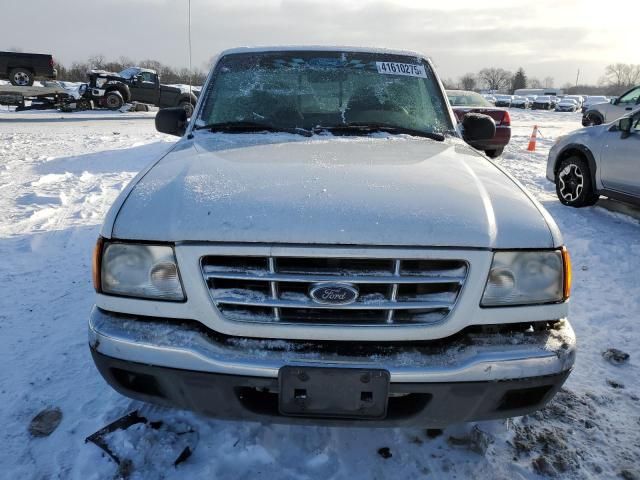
[[477, 127], [624, 125], [172, 121]]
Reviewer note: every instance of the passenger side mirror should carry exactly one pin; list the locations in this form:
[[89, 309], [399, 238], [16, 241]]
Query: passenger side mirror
[[624, 125], [172, 121], [477, 127]]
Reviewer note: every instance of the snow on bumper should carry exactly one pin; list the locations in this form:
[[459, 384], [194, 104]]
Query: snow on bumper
[[467, 358]]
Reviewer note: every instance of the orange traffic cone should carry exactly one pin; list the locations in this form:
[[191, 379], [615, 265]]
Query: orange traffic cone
[[532, 140]]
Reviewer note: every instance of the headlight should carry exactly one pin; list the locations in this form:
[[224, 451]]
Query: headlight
[[135, 270], [528, 277]]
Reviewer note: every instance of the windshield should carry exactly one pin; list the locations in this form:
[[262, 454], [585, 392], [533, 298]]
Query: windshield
[[467, 99], [311, 89], [129, 72]]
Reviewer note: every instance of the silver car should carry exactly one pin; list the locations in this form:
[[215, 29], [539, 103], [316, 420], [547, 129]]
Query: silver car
[[594, 161]]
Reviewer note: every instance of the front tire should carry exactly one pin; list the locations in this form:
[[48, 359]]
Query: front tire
[[573, 183], [21, 77], [591, 119], [113, 100], [495, 153]]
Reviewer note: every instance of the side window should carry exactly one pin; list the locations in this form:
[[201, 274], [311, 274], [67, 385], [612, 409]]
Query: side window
[[147, 77], [630, 98]]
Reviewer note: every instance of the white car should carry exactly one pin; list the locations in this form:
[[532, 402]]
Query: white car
[[520, 102], [593, 100], [605, 112], [567, 105], [577, 98], [322, 246]]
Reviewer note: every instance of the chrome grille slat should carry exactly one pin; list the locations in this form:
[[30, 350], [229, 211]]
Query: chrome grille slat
[[274, 287], [268, 302], [392, 291], [286, 277]]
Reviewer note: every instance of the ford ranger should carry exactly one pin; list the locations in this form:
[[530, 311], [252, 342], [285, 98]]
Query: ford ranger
[[322, 246]]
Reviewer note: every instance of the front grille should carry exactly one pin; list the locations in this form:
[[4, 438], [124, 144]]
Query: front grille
[[390, 291]]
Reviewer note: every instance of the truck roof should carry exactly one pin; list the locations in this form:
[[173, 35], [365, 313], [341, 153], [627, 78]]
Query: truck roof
[[321, 48]]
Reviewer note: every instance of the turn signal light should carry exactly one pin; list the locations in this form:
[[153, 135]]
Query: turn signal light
[[566, 260], [97, 264]]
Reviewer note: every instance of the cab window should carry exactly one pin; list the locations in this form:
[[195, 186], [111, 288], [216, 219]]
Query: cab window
[[631, 98]]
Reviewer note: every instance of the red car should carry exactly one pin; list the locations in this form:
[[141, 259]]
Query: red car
[[463, 102]]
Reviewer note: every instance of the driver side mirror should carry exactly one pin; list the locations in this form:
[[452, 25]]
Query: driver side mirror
[[624, 125], [172, 121], [613, 101], [478, 127]]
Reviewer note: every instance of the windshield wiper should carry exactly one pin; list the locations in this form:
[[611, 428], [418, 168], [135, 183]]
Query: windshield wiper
[[246, 126], [380, 127]]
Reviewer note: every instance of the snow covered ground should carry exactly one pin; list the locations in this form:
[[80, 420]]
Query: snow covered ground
[[58, 175]]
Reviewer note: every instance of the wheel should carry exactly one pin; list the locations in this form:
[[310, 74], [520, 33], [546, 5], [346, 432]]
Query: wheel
[[495, 153], [113, 100], [21, 77], [188, 107], [591, 118], [573, 183]]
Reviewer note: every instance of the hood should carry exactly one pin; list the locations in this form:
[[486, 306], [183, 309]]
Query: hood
[[280, 188]]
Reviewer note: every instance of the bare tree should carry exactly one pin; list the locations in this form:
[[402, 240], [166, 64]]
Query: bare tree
[[548, 82], [468, 81], [449, 84], [622, 74], [96, 61], [495, 78], [535, 83]]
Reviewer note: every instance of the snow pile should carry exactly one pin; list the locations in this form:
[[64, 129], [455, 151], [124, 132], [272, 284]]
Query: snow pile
[[58, 176]]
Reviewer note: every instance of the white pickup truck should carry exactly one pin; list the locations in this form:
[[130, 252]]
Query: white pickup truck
[[322, 246]]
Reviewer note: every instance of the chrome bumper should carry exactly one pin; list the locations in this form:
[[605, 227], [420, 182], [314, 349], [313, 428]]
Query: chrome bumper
[[476, 357]]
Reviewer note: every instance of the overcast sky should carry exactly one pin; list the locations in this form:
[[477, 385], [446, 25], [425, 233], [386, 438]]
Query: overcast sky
[[546, 37]]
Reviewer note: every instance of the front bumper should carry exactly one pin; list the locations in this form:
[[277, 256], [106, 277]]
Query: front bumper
[[468, 377]]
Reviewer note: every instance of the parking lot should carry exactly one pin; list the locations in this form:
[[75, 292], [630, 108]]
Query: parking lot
[[59, 173]]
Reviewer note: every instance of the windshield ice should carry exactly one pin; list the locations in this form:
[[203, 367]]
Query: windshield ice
[[309, 89], [129, 72]]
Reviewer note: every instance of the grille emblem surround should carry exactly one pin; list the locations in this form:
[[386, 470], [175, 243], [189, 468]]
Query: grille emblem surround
[[333, 293]]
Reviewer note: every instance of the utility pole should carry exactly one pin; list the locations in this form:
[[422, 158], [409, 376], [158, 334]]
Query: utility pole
[[577, 77]]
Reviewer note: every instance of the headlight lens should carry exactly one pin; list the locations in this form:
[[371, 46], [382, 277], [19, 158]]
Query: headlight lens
[[526, 277], [147, 271]]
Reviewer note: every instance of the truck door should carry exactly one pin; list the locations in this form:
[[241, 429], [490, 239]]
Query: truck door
[[621, 160], [145, 88]]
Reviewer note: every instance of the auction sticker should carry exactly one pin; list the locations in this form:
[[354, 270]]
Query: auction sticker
[[408, 69]]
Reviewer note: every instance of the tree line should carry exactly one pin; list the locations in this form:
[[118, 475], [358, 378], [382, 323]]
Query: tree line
[[618, 78]]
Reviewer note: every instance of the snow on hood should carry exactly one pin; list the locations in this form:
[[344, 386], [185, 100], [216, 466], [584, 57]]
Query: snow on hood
[[280, 188]]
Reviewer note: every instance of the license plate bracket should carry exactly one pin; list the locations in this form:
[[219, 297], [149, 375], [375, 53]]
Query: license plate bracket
[[333, 392]]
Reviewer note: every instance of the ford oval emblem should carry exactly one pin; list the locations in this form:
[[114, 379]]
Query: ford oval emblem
[[333, 293]]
